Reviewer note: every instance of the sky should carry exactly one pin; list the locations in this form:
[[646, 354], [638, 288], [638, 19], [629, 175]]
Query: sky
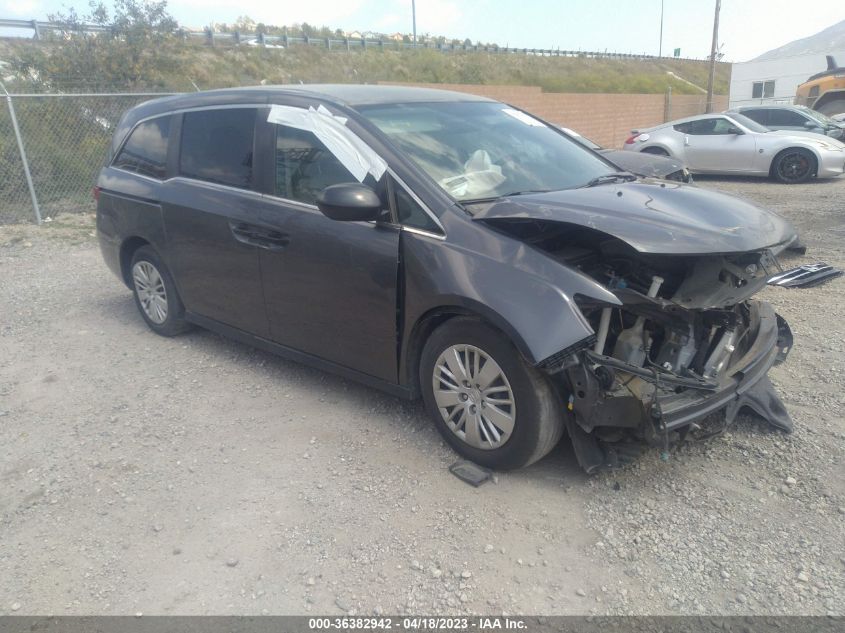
[[747, 27]]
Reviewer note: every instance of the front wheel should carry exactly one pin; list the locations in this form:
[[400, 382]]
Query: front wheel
[[488, 403], [793, 166]]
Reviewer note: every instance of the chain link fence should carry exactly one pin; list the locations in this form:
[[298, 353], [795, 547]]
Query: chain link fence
[[64, 139]]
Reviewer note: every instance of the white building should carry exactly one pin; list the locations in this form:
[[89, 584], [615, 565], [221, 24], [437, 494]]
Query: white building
[[775, 80]]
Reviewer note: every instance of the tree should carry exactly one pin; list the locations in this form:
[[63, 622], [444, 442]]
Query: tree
[[134, 49], [245, 24]]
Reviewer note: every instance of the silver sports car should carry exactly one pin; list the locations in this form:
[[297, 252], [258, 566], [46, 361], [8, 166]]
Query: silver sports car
[[729, 143]]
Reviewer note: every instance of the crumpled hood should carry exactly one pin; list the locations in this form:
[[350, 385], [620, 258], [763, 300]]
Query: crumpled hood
[[653, 217]]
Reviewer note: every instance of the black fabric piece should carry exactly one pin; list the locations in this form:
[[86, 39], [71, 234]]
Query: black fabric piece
[[765, 402], [470, 472]]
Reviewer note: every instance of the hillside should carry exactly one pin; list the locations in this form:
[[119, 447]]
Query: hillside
[[827, 41], [185, 65]]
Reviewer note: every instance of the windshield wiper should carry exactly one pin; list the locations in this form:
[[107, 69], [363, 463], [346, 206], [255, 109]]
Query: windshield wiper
[[605, 179], [524, 192]]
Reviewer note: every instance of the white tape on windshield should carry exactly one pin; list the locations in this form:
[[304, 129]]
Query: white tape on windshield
[[525, 118], [350, 150]]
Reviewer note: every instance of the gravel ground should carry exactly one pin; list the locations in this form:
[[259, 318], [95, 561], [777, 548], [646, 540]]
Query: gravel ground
[[197, 476]]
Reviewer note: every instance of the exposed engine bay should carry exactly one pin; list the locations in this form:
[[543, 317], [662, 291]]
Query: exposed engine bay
[[686, 341]]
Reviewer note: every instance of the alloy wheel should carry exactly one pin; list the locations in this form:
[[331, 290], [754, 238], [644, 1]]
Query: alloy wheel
[[794, 167], [151, 292], [474, 396]]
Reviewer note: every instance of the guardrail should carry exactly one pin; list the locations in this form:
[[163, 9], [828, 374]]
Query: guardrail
[[213, 38]]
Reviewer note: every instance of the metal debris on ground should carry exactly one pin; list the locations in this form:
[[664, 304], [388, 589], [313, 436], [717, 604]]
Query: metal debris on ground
[[805, 276], [471, 473]]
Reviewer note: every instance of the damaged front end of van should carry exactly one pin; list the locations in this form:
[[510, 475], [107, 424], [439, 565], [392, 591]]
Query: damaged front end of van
[[685, 338]]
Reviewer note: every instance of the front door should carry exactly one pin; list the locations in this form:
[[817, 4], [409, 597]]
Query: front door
[[717, 145], [331, 290]]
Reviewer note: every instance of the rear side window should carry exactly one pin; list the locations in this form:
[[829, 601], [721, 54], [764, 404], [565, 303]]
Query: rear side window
[[702, 126], [217, 146], [145, 151], [761, 116], [707, 127], [304, 166]]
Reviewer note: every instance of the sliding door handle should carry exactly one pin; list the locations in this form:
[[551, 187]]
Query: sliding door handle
[[259, 236]]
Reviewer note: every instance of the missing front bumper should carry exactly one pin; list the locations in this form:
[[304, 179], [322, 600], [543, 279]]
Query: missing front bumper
[[600, 403], [736, 388]]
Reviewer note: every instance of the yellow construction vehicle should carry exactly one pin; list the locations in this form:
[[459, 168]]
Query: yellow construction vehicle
[[824, 91]]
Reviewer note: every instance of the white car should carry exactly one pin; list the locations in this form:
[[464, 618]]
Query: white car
[[254, 41], [730, 143]]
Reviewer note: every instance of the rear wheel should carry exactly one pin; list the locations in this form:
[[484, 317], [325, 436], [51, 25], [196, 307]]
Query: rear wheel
[[155, 294], [488, 403], [794, 165]]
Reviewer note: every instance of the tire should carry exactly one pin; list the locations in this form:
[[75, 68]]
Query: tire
[[793, 166], [536, 413], [837, 106], [155, 293], [657, 151]]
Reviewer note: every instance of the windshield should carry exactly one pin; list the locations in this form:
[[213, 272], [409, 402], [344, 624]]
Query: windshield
[[478, 150], [751, 124], [822, 118]]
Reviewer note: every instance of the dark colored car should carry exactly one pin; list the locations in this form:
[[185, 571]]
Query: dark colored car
[[642, 164], [447, 246], [796, 118]]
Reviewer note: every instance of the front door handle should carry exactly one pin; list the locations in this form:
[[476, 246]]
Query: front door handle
[[686, 141], [261, 237]]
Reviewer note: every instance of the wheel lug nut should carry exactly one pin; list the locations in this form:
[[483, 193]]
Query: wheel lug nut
[[464, 397]]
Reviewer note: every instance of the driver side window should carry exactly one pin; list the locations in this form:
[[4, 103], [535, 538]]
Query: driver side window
[[710, 127], [305, 166], [723, 126]]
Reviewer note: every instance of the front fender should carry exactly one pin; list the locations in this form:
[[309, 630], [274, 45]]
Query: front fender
[[800, 143], [522, 291]]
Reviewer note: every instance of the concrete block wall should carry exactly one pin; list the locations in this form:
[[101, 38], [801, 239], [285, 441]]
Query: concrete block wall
[[605, 118]]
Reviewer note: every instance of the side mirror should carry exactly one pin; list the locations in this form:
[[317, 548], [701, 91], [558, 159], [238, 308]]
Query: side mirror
[[735, 130], [810, 125], [349, 202]]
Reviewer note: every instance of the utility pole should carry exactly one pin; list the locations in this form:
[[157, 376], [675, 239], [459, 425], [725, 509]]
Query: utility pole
[[714, 47], [414, 18], [660, 53]]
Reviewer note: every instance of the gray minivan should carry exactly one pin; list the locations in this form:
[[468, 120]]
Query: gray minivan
[[793, 117], [446, 246]]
